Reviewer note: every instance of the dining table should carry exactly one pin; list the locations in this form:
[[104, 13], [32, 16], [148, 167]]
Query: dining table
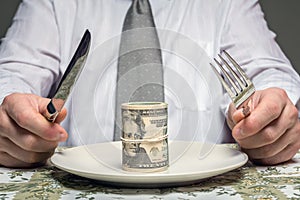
[[249, 181]]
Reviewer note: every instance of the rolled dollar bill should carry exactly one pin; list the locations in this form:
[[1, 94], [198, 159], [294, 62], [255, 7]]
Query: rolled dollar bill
[[144, 136]]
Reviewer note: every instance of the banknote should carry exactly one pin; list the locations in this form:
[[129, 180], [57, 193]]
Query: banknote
[[144, 136]]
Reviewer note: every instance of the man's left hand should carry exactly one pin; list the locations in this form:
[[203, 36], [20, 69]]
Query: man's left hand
[[271, 133]]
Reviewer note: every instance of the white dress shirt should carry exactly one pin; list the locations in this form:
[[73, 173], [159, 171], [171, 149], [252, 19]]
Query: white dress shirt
[[45, 33]]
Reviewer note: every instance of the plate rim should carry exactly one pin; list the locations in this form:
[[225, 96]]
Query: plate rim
[[152, 178]]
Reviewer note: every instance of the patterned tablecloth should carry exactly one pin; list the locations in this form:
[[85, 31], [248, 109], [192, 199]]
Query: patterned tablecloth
[[247, 182]]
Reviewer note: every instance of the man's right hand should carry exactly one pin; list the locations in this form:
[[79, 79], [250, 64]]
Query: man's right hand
[[27, 138]]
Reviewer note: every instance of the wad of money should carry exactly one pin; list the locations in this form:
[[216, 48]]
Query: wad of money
[[144, 136]]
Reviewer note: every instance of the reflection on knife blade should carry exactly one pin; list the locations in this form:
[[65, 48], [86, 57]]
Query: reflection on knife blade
[[69, 78]]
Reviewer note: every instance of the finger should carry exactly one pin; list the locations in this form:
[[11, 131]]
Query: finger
[[31, 142], [61, 116], [287, 154], [242, 112], [7, 160], [273, 131], [22, 155], [285, 145], [229, 118], [236, 115], [268, 150], [25, 139], [263, 114], [29, 117]]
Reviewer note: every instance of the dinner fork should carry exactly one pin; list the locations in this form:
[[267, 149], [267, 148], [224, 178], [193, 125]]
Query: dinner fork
[[236, 82]]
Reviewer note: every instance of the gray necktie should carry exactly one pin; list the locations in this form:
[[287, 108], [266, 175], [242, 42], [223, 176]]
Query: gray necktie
[[140, 72]]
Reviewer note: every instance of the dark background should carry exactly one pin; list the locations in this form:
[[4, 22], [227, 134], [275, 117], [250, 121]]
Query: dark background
[[281, 15]]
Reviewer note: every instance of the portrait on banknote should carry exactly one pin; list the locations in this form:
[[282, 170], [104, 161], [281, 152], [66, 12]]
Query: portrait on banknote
[[144, 136], [134, 129]]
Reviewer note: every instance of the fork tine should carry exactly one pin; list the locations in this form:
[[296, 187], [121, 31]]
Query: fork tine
[[225, 85], [237, 84], [236, 77], [236, 89], [238, 68]]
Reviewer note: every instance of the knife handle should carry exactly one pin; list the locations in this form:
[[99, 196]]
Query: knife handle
[[51, 112]]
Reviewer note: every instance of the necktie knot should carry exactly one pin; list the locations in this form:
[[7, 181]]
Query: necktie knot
[[139, 15], [141, 6]]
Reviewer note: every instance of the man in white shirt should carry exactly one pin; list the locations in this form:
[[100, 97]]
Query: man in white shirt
[[38, 46]]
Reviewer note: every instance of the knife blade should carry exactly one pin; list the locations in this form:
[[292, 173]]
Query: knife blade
[[69, 78]]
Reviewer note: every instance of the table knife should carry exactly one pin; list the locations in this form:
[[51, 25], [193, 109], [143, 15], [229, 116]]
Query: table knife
[[69, 78]]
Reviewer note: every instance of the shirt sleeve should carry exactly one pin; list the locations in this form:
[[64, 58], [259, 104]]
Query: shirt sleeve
[[248, 39], [29, 53]]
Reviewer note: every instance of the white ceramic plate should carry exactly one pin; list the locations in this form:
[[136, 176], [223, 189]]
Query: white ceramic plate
[[187, 164]]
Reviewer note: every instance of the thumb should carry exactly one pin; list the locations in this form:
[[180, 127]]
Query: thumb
[[61, 116], [57, 102], [229, 118], [236, 115], [242, 112]]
